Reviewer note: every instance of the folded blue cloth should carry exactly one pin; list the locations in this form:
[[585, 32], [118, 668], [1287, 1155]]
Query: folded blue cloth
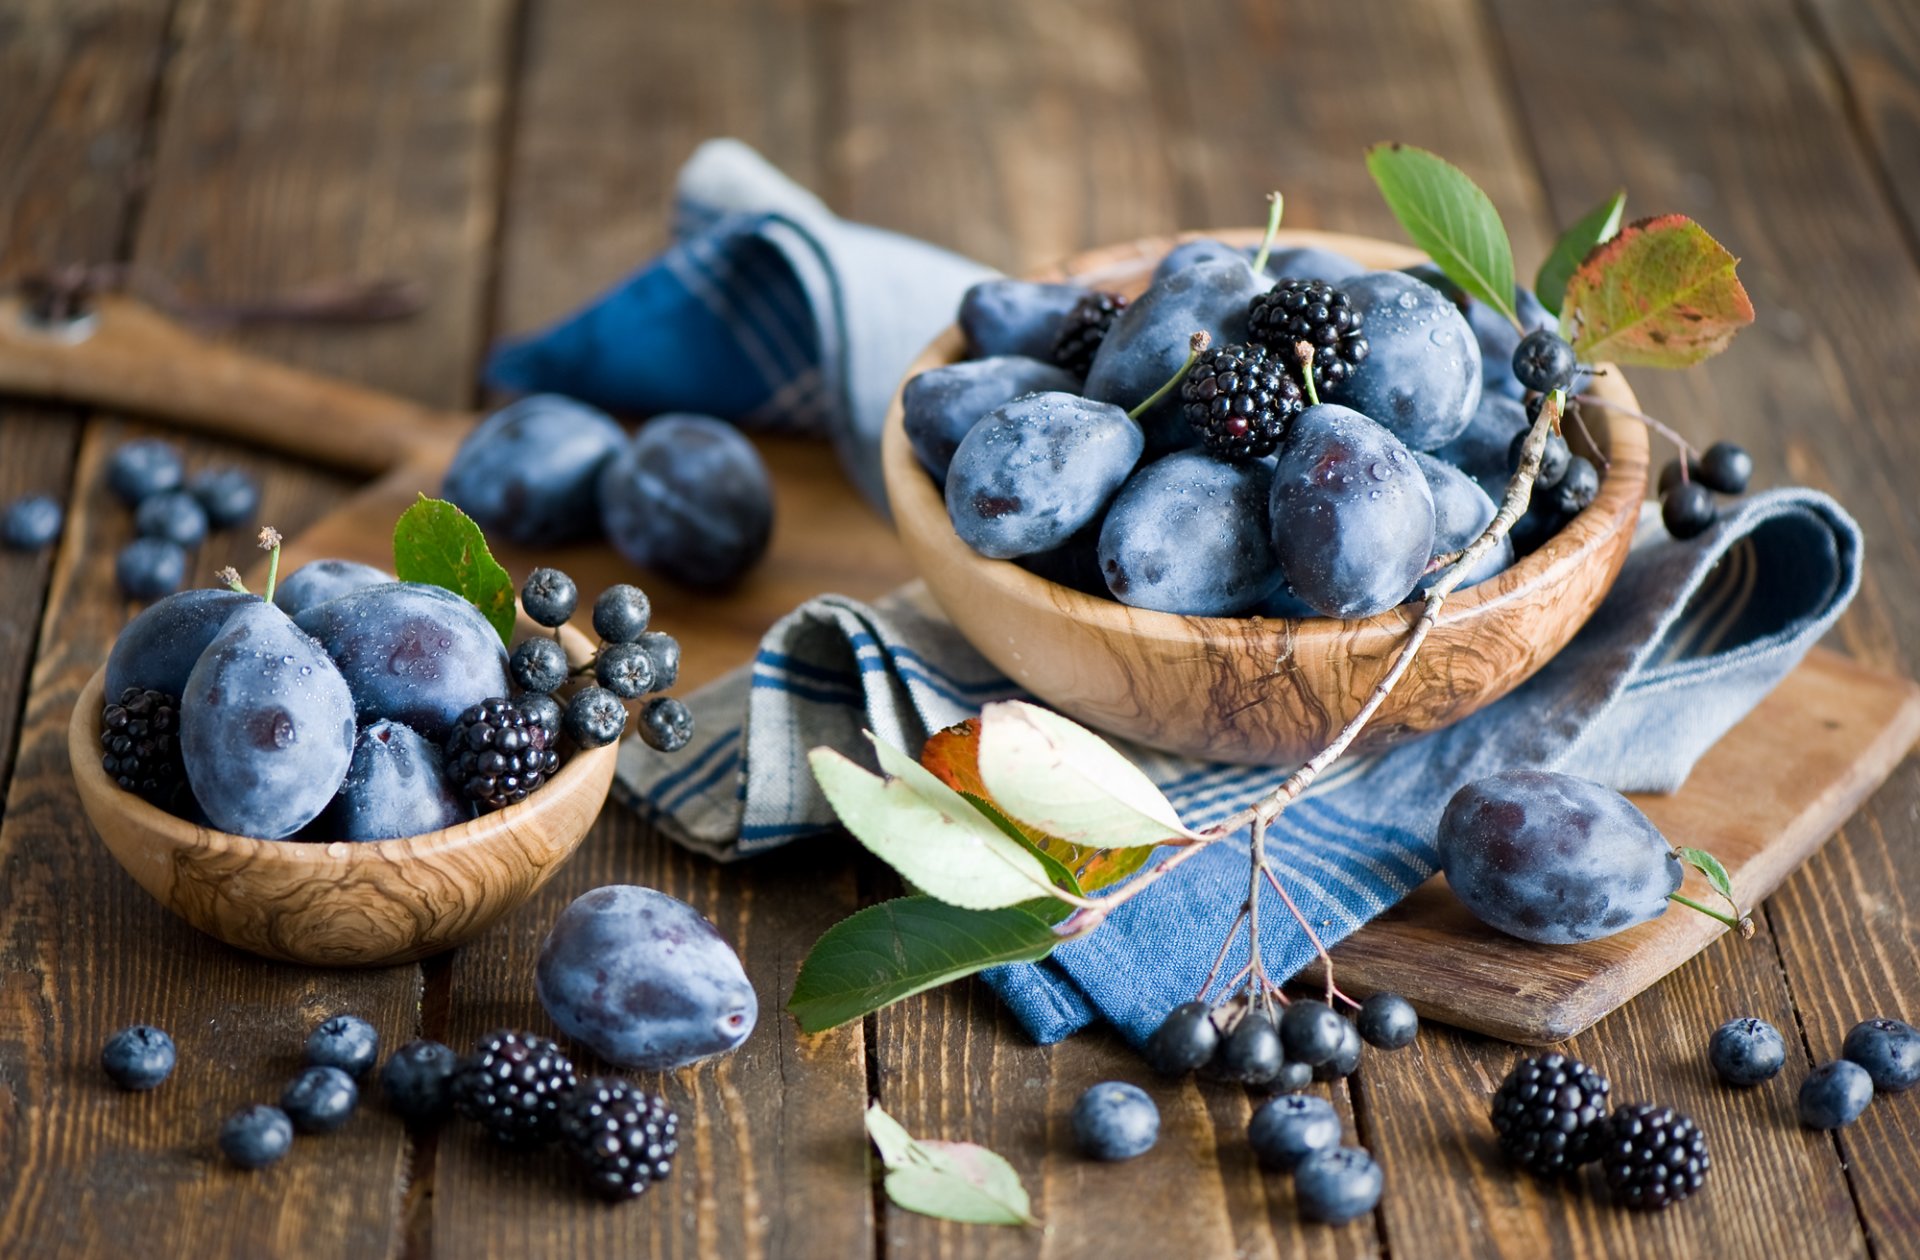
[[1691, 637]]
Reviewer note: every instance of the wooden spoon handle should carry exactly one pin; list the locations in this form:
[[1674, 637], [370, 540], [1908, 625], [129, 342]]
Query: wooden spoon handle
[[131, 358]]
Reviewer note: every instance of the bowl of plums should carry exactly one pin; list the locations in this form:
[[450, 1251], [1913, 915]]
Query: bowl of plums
[[1216, 545], [348, 769]]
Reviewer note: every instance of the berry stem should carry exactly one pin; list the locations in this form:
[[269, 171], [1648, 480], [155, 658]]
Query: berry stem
[[1226, 943], [1686, 449], [1326, 959], [1742, 925], [230, 578], [1305, 350], [1257, 848], [1196, 346], [270, 543], [1277, 203]]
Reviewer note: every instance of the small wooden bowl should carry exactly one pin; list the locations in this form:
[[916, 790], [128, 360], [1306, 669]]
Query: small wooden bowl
[[341, 904], [1266, 691]]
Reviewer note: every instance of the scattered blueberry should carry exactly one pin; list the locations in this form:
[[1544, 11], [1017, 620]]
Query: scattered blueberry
[[320, 1099], [1288, 1128], [1747, 1051], [173, 515], [31, 523], [690, 497], [144, 467], [318, 581], [256, 1136], [149, 568], [1834, 1094], [540, 664], [1185, 1040], [530, 473], [549, 597], [1388, 1021], [138, 1058], [414, 1081], [1033, 472], [346, 1042], [621, 613], [1312, 1032], [229, 496], [1337, 1185], [1115, 1121], [665, 724], [1890, 1052], [625, 669], [594, 717]]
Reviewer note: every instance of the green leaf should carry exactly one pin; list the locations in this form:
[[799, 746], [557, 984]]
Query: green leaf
[[1060, 778], [879, 955], [952, 1181], [1660, 294], [436, 543], [1598, 226], [1709, 865], [1447, 215], [1056, 869]]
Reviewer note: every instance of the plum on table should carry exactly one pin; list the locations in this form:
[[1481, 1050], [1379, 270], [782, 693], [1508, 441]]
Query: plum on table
[[690, 498], [529, 472]]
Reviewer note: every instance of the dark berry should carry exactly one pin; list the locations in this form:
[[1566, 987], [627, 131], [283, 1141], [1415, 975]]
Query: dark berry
[[148, 568], [1890, 1052], [1185, 1039], [512, 1085], [498, 754], [1578, 487], [256, 1136], [1287, 1129], [140, 468], [320, 1099], [666, 724], [1241, 400], [540, 665], [1292, 1077], [1550, 1114], [140, 746], [1337, 1185], [1653, 1157], [1724, 467], [1834, 1094], [664, 650], [1251, 1053], [1544, 362], [549, 597], [1084, 328], [1315, 312], [415, 1079], [1554, 458], [1688, 510], [620, 614], [625, 669], [594, 717], [31, 523], [1346, 1057], [229, 496], [1115, 1121], [346, 1042], [542, 709], [1312, 1032], [1747, 1051], [1388, 1021], [622, 1138], [138, 1058], [174, 515], [1670, 476]]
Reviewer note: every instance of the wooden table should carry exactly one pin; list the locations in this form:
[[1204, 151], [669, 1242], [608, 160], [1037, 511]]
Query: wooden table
[[515, 158]]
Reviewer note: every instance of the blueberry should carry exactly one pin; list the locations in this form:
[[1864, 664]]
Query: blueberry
[[1032, 473], [643, 979], [1288, 1128], [1544, 362], [1890, 1052], [1251, 1053], [1192, 253], [1115, 1121], [1724, 467], [159, 648], [411, 653], [938, 407], [1337, 1185], [664, 651], [1421, 380], [173, 515], [256, 1136], [1461, 513], [690, 498], [1688, 510], [1482, 449], [266, 726], [541, 708], [665, 725], [1352, 516], [318, 581], [31, 523], [540, 664], [346, 1042], [149, 568], [1310, 262], [229, 496], [1555, 458], [1747, 1051], [621, 613], [320, 1099], [1388, 1021], [1312, 1032], [594, 717], [414, 1081], [395, 787], [549, 597], [529, 473], [1346, 1056], [1552, 858], [1834, 1094], [144, 467], [1188, 534], [1015, 317], [1184, 1040], [138, 1058]]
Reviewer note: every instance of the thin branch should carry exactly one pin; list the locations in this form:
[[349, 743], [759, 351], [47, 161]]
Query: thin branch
[[1326, 959], [1672, 435], [1226, 942]]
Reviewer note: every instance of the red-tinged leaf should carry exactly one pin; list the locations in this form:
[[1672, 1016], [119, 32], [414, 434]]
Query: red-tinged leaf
[[1660, 294]]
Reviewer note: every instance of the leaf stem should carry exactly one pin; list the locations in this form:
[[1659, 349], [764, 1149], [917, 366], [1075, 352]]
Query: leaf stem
[[1277, 204], [1305, 350], [1196, 346], [1742, 925]]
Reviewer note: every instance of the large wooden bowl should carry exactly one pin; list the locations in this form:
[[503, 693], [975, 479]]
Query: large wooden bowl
[[341, 904], [1265, 691]]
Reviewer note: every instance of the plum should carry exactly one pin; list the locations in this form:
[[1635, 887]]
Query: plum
[[266, 725], [158, 649], [1032, 473], [1492, 331], [1310, 262], [1352, 517], [411, 653], [1188, 534], [1461, 513], [1191, 253], [1556, 859], [394, 787], [644, 979], [1421, 380], [529, 472], [318, 581], [941, 405], [1483, 449], [690, 498], [1015, 317]]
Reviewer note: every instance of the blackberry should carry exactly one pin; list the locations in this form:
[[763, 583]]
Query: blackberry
[[320, 1099], [666, 724], [140, 744], [549, 597], [1653, 1157], [1550, 1114], [1084, 328], [1241, 400], [622, 1137], [1315, 312], [256, 1136], [498, 753], [540, 665], [512, 1085]]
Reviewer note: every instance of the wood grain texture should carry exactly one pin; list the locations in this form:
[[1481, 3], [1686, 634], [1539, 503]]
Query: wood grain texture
[[1875, 45]]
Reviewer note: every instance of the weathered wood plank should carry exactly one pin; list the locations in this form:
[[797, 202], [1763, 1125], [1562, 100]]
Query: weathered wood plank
[[1875, 45]]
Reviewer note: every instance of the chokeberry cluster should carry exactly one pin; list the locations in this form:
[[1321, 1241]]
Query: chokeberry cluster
[[1688, 487]]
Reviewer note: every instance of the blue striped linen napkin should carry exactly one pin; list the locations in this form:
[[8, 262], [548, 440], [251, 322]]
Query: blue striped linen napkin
[[1690, 638]]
